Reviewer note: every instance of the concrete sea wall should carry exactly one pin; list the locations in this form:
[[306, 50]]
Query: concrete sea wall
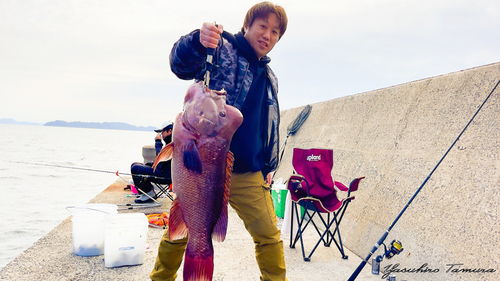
[[395, 137]]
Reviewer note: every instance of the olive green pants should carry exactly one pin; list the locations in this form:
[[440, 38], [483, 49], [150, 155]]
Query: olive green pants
[[251, 200]]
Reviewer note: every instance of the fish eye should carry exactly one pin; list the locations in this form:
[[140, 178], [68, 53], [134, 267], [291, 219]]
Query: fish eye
[[222, 114]]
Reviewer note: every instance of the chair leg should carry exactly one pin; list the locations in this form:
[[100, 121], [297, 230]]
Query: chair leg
[[326, 242], [291, 226], [329, 236], [326, 236], [302, 225], [337, 219], [164, 191], [339, 244], [300, 228]]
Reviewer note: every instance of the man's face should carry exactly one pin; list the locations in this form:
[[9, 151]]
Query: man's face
[[263, 34], [166, 133]]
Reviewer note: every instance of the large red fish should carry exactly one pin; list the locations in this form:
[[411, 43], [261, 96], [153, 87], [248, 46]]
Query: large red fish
[[201, 174]]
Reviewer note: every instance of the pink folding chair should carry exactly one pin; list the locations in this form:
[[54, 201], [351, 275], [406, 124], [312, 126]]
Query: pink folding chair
[[313, 188]]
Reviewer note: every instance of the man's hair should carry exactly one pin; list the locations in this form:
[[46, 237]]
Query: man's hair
[[262, 10]]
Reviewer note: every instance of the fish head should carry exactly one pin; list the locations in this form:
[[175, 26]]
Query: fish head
[[206, 112]]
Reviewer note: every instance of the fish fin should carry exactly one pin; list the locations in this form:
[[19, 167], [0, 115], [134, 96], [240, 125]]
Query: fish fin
[[177, 227], [197, 268], [191, 157], [219, 233], [164, 155]]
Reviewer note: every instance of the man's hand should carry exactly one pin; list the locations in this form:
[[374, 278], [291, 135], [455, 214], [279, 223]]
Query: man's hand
[[210, 34], [158, 136]]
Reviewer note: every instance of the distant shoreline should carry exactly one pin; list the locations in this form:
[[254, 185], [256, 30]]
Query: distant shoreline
[[14, 122], [78, 124]]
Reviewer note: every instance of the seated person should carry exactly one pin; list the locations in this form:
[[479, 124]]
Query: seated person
[[162, 172]]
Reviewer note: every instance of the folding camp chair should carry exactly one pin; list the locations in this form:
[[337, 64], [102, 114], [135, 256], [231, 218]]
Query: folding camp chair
[[162, 189], [314, 189], [161, 186]]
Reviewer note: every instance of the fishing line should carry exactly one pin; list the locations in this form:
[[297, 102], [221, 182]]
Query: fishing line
[[384, 236]]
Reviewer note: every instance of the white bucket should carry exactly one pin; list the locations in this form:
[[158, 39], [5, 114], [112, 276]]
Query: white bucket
[[125, 239], [88, 227]]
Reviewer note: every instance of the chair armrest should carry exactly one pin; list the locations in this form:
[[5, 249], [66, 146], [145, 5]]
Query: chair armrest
[[295, 183], [296, 177], [341, 186], [353, 186]]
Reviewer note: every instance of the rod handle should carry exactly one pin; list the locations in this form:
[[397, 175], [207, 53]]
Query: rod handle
[[357, 271], [210, 51]]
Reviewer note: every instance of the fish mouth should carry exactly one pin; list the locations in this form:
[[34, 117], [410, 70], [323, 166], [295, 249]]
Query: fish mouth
[[206, 125], [203, 126]]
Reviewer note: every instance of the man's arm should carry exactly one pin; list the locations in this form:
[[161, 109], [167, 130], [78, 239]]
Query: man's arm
[[189, 54], [158, 144]]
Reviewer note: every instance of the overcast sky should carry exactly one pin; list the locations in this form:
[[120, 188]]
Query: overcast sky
[[107, 61]]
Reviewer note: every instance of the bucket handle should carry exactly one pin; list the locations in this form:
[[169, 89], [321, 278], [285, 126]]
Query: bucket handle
[[75, 207]]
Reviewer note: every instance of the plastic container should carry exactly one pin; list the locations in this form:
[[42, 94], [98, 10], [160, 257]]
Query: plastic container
[[125, 239], [88, 228], [279, 202], [278, 194]]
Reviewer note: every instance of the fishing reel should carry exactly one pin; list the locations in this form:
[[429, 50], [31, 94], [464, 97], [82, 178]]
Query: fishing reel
[[395, 249]]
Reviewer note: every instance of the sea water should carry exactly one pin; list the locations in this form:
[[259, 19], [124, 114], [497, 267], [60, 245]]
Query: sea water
[[34, 196]]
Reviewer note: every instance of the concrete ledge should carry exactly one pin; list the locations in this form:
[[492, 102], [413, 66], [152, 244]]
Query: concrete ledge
[[395, 137]]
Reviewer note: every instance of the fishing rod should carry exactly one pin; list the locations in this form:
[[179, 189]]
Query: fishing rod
[[66, 167], [90, 170], [126, 206], [384, 236]]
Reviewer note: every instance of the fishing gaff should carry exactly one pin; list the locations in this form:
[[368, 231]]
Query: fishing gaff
[[294, 127], [386, 233], [296, 124]]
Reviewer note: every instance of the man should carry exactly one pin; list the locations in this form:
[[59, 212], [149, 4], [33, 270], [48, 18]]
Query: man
[[241, 69], [163, 170]]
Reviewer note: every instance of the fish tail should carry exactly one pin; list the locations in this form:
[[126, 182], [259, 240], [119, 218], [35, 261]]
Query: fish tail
[[197, 268], [164, 155]]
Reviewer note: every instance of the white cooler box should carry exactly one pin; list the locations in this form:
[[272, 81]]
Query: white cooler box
[[125, 239]]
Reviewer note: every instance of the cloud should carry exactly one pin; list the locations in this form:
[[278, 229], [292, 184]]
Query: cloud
[[99, 61]]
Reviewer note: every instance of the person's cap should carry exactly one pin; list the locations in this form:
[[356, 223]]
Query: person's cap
[[166, 128]]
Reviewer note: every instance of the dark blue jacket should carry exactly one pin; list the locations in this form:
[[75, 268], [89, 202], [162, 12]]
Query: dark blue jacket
[[188, 61]]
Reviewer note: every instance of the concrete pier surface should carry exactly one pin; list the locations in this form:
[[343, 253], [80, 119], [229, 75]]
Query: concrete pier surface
[[51, 258]]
